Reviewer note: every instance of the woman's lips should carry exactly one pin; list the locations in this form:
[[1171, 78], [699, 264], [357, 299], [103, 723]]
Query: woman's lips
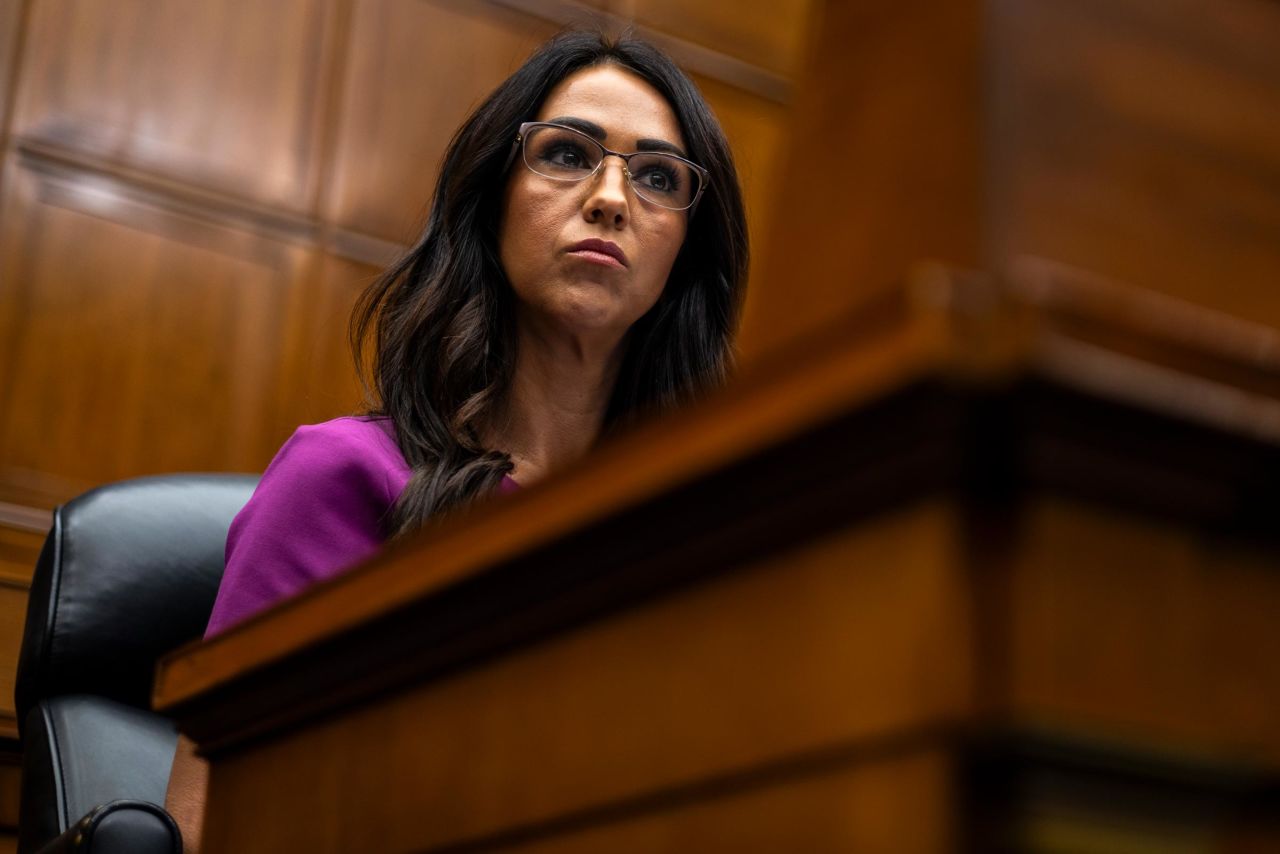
[[603, 252], [595, 257]]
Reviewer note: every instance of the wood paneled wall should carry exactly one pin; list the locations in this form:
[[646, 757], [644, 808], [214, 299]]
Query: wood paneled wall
[[1136, 139], [192, 195]]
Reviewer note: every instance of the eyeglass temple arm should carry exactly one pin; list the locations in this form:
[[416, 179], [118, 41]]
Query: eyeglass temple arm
[[511, 155]]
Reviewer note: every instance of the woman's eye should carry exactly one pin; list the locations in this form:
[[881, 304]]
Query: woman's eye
[[661, 180], [657, 180], [568, 156]]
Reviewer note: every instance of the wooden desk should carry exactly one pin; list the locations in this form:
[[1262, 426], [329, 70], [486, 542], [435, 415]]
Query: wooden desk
[[993, 562], [964, 560]]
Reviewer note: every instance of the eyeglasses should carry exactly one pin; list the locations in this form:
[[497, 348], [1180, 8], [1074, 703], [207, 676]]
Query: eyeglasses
[[564, 154]]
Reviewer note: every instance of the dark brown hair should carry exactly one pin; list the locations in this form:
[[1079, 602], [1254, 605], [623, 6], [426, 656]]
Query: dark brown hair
[[439, 323]]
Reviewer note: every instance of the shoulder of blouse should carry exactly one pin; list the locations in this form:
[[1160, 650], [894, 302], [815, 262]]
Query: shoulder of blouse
[[318, 509]]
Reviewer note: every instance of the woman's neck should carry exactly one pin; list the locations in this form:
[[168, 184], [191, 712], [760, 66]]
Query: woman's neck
[[556, 406]]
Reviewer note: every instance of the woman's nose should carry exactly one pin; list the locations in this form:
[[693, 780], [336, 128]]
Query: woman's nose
[[608, 199]]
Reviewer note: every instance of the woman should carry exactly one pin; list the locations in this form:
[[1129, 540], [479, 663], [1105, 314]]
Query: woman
[[583, 265]]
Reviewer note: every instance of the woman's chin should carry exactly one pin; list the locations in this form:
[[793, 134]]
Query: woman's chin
[[590, 308]]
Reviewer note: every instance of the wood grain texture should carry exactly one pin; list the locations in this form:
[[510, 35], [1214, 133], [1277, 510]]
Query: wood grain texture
[[857, 635], [131, 330], [19, 549], [12, 14], [1040, 789], [884, 168], [1141, 139], [759, 133], [898, 804], [993, 427], [742, 421], [415, 70], [12, 31], [13, 613], [895, 803], [1135, 139], [770, 34], [1028, 562], [223, 94], [978, 606], [1181, 648], [192, 197], [615, 17], [319, 380]]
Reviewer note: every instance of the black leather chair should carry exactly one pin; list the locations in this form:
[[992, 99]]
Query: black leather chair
[[128, 572]]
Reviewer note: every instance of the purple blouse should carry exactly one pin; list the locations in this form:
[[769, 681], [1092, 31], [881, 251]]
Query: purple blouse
[[317, 511]]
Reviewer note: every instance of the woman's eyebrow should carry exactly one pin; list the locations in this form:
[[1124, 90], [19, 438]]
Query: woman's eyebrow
[[594, 131], [660, 145], [589, 128]]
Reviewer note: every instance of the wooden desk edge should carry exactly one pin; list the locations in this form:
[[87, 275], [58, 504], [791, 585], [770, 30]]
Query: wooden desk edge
[[924, 329]]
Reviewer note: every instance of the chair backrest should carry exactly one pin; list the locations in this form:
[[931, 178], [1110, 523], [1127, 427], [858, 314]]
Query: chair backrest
[[128, 572]]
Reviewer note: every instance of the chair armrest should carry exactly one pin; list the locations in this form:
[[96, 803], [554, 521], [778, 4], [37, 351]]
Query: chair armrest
[[120, 827], [82, 751]]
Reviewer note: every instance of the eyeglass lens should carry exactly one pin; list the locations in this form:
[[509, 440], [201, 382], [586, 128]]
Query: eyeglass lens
[[568, 155]]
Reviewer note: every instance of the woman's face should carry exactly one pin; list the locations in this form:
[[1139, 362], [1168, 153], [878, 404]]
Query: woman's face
[[558, 283]]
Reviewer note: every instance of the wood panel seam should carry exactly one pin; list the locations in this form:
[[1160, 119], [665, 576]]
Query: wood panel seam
[[758, 776], [690, 56], [10, 96], [210, 206], [31, 519]]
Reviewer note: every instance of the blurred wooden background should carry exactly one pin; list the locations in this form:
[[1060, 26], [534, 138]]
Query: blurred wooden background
[[192, 193], [195, 192]]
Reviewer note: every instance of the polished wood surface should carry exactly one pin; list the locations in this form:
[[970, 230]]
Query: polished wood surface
[[13, 610], [743, 419], [1140, 139], [75, 281], [318, 151], [1183, 651], [191, 198], [653, 700], [1137, 139], [321, 375], [759, 132], [393, 135], [1001, 455], [766, 32], [20, 543], [209, 95], [11, 29], [926, 526], [885, 169], [875, 807], [928, 328]]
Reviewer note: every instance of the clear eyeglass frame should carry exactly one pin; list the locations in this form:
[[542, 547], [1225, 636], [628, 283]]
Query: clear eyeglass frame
[[519, 147]]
